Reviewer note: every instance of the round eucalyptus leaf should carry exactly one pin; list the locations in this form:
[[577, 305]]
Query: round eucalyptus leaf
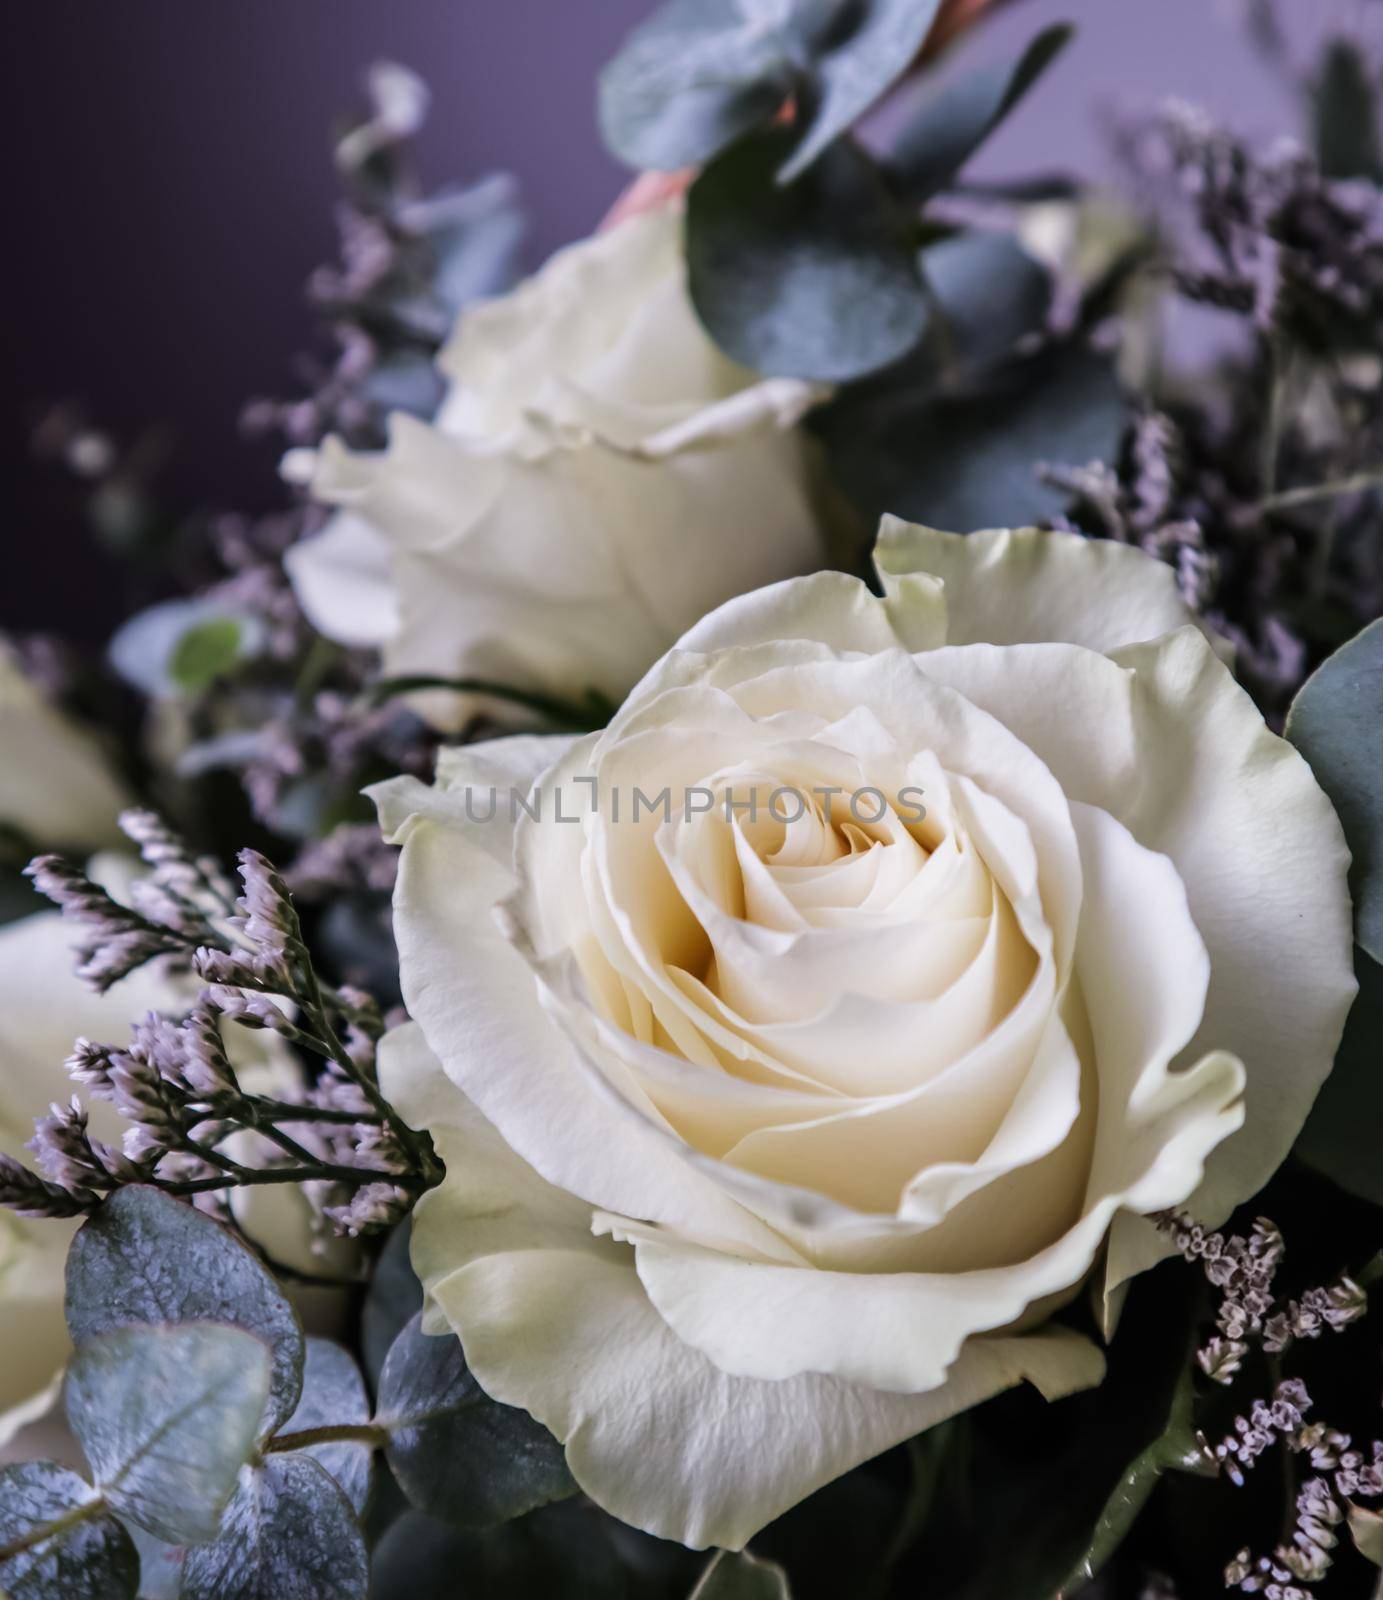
[[394, 1296], [690, 80], [334, 1396], [1336, 721], [948, 124], [1343, 1136], [89, 1559], [456, 1453], [855, 66], [146, 1257], [288, 1534], [736, 1575], [166, 1417], [816, 280]]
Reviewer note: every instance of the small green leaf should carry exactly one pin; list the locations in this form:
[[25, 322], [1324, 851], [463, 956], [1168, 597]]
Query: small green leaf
[[207, 651], [947, 125], [739, 1576], [1343, 1134], [166, 1418], [80, 1553], [288, 1534], [855, 66], [457, 1454], [145, 1257], [816, 280], [1344, 108], [690, 80], [333, 1397], [1336, 721]]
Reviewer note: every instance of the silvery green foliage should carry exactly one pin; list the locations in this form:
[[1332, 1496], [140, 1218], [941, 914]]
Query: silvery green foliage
[[394, 1296], [145, 1257], [289, 1533], [701, 73], [89, 1558], [166, 1417], [457, 1454], [333, 1396]]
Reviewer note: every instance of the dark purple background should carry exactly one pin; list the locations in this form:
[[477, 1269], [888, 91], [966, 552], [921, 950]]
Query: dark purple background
[[170, 188]]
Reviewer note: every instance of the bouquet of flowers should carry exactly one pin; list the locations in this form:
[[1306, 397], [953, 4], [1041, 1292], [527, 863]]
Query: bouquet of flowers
[[740, 954]]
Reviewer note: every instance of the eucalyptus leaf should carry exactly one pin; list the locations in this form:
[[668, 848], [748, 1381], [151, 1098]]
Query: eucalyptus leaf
[[394, 1296], [457, 1454], [566, 1551], [288, 1534], [146, 1257], [1343, 1136], [85, 1556], [166, 1417], [970, 460], [181, 646], [991, 294], [1366, 1527], [948, 124], [334, 1396], [856, 65], [690, 80], [817, 280], [1336, 721], [1344, 109], [734, 1575]]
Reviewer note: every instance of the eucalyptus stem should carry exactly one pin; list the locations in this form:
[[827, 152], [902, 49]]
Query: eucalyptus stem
[[373, 1434]]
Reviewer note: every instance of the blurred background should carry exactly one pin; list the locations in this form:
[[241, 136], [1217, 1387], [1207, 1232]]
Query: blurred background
[[171, 189]]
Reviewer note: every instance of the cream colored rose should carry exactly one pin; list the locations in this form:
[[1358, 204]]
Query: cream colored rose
[[769, 1142], [56, 786], [599, 477], [44, 1007]]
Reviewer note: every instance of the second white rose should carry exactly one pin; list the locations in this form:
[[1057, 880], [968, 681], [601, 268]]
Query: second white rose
[[598, 478]]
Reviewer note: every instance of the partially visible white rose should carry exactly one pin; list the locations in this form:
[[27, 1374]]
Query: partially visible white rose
[[774, 1132], [599, 477], [56, 786]]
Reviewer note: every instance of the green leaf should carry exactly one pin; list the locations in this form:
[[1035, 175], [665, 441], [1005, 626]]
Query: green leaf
[[394, 1296], [207, 651], [855, 66], [690, 80], [970, 460], [145, 1257], [816, 280], [1336, 721], [333, 1397], [567, 1551], [166, 1418], [288, 1534], [991, 294], [80, 1554], [740, 1576], [1343, 1135], [457, 1454], [1344, 110], [947, 125]]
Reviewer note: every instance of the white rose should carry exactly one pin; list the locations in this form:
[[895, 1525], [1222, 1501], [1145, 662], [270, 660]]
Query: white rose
[[56, 786], [771, 1144], [599, 477], [44, 1007]]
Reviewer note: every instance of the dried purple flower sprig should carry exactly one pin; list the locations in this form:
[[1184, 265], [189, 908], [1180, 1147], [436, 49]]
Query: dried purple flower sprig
[[1243, 1269], [174, 1082]]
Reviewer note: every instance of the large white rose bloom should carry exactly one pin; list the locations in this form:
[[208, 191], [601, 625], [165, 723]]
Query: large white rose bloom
[[56, 787], [771, 1143], [599, 477]]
